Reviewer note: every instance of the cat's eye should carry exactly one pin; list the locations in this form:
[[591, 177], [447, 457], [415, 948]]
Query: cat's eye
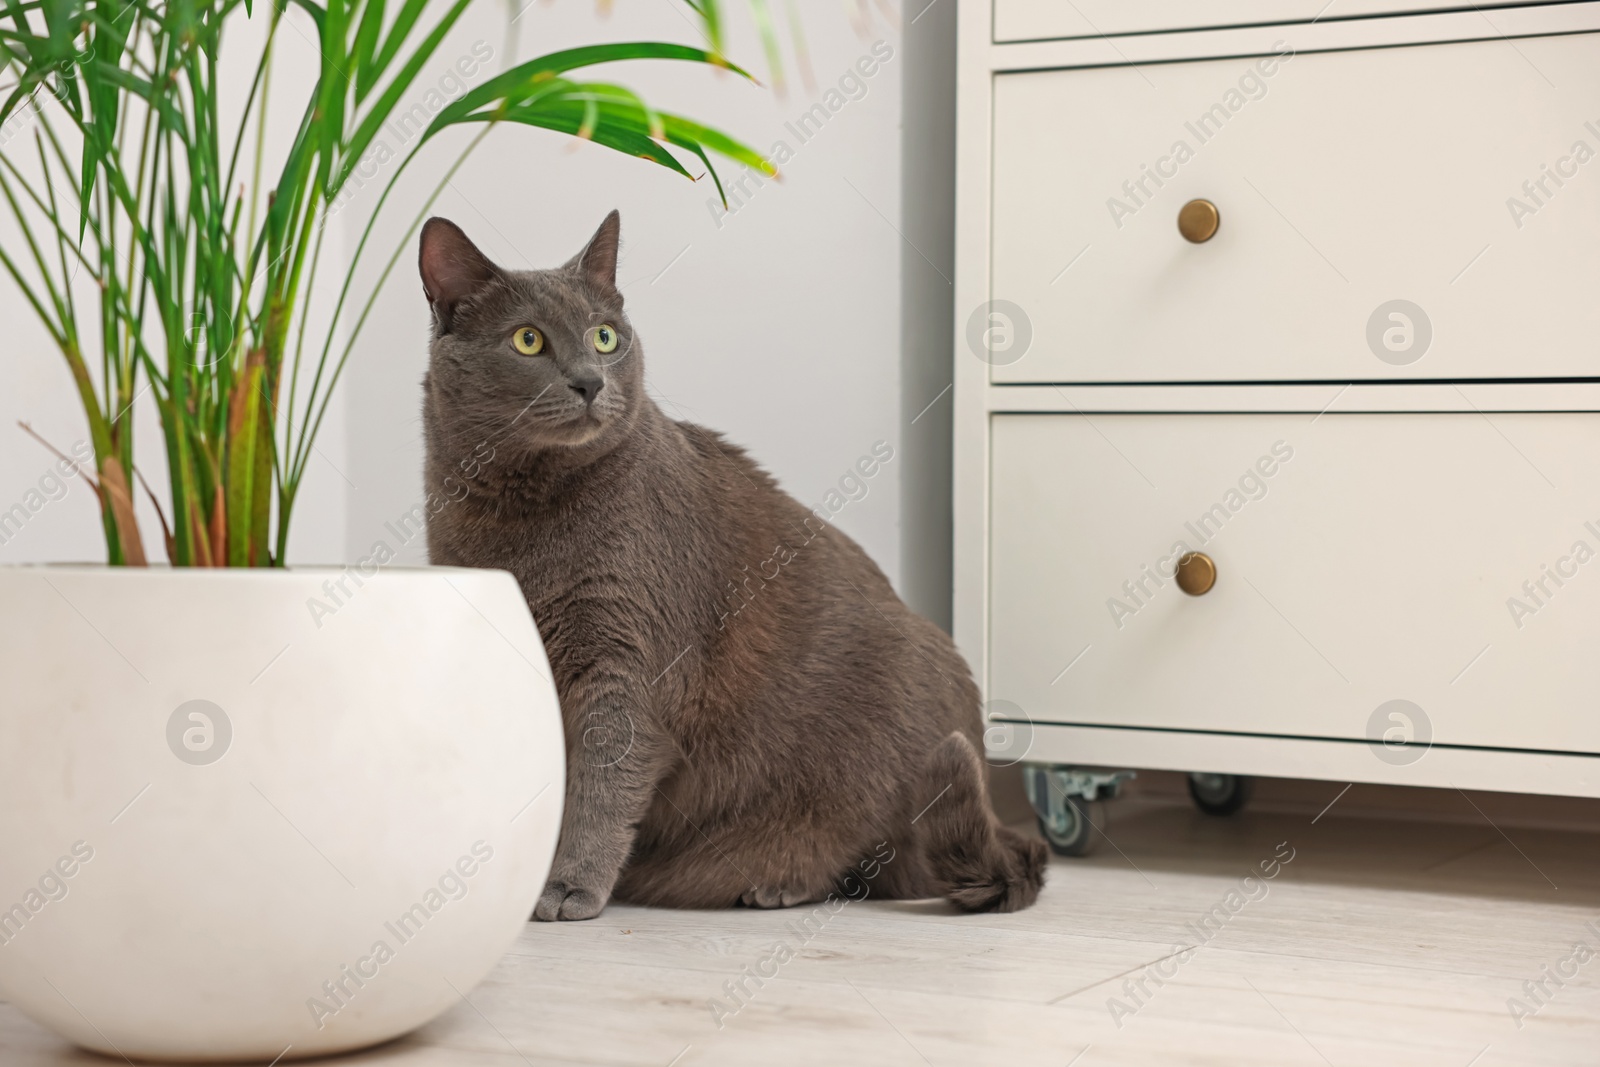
[[605, 339], [528, 341]]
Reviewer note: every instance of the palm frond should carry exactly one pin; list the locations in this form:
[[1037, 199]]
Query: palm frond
[[198, 293]]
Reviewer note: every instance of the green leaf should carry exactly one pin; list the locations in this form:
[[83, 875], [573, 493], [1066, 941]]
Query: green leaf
[[141, 87], [614, 117], [525, 78], [334, 86], [410, 11], [571, 114], [312, 8], [711, 18], [386, 102], [366, 45], [683, 131]]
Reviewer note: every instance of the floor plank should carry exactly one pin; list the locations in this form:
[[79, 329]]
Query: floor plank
[[1381, 941]]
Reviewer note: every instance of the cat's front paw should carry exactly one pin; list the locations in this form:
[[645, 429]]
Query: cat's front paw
[[561, 901]]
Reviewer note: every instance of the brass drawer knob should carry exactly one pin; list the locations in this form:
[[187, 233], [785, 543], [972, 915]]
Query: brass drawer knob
[[1198, 222], [1197, 573]]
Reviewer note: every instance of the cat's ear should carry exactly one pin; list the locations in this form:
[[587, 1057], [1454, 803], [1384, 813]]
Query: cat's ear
[[598, 260], [452, 268]]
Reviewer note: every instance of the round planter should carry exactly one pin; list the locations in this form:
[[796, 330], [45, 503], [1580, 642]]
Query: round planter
[[247, 814]]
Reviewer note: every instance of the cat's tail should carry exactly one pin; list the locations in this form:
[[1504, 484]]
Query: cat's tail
[[976, 862]]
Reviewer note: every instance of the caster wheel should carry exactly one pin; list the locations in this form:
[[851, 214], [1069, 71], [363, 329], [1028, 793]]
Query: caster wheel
[[1070, 829], [1220, 794]]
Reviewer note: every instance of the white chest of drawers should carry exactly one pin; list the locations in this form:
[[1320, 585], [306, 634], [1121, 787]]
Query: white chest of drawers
[[1371, 399]]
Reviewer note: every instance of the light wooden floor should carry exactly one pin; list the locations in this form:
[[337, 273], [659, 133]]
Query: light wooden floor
[[1382, 942]]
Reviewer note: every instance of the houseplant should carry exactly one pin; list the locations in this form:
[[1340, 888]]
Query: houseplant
[[253, 811], [204, 275]]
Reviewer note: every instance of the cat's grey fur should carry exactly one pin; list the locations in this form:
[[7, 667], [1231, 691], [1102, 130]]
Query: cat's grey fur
[[714, 757]]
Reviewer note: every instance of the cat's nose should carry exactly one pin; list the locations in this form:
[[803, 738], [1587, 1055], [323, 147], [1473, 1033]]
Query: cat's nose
[[588, 388]]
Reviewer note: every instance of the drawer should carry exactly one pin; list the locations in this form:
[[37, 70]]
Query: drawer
[[1038, 20], [1447, 560], [1425, 212]]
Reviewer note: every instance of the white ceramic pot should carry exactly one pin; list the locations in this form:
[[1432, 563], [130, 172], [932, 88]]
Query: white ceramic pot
[[252, 813]]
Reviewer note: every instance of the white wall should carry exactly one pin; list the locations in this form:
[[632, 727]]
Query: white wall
[[778, 323], [928, 182]]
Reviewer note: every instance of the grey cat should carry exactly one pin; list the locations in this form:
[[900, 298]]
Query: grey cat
[[819, 738]]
